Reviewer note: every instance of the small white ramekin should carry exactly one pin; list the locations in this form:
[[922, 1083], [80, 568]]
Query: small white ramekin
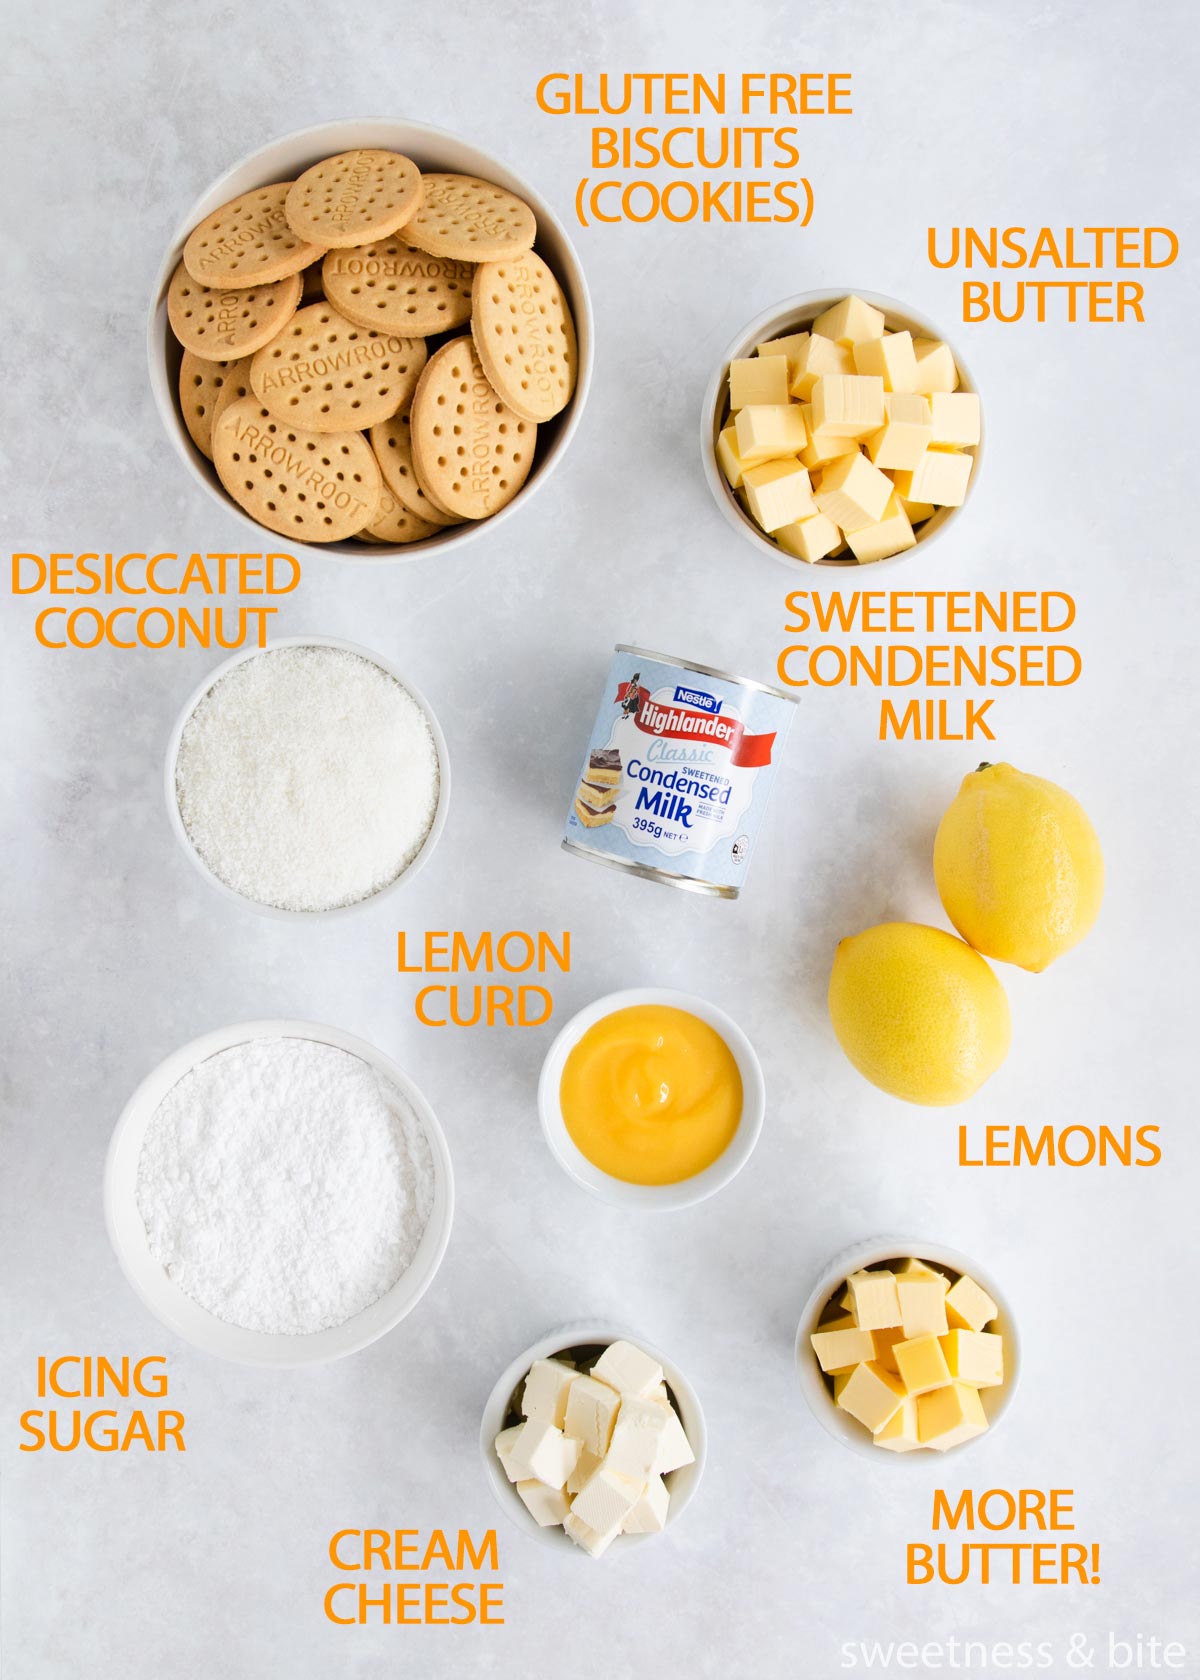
[[797, 314], [839, 1424], [432, 149], [652, 1197], [195, 1323], [499, 1412], [176, 820]]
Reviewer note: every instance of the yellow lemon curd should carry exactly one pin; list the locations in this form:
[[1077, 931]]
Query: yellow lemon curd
[[651, 1095]]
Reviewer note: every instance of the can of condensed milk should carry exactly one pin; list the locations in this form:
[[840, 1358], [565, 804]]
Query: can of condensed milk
[[678, 772]]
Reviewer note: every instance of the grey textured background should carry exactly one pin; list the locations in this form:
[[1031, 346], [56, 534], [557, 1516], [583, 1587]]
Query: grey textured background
[[116, 118]]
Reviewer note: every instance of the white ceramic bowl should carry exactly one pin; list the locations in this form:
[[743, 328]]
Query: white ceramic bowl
[[176, 820], [652, 1197], [186, 1317], [499, 1412], [430, 149], [996, 1401], [797, 314]]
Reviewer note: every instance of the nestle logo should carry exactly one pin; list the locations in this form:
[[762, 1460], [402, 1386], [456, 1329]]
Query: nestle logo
[[697, 697]]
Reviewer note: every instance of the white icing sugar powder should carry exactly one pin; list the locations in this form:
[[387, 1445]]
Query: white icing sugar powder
[[307, 778], [284, 1185]]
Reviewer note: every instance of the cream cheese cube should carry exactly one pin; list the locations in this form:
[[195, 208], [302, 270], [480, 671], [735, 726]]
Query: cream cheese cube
[[838, 1348], [949, 1416], [584, 1466], [545, 1392], [809, 539], [592, 1408], [850, 321], [891, 357], [876, 1302], [648, 1440], [504, 1444], [968, 1306], [541, 1452], [594, 1544], [899, 1434], [649, 1515], [659, 1395], [922, 1305], [847, 405], [769, 432], [892, 535], [728, 459], [956, 420], [607, 1498], [819, 356], [547, 1506], [872, 1395], [906, 433], [627, 1369], [941, 476], [936, 368], [975, 1357], [791, 347], [757, 379], [854, 494], [779, 493]]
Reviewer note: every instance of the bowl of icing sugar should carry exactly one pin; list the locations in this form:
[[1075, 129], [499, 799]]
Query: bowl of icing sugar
[[278, 1193]]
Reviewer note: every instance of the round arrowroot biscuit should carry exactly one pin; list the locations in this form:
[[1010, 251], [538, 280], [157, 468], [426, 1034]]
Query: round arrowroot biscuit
[[471, 220], [248, 242], [392, 442], [325, 373], [314, 487], [471, 452], [201, 385], [394, 523], [393, 287], [522, 327], [354, 197], [222, 324]]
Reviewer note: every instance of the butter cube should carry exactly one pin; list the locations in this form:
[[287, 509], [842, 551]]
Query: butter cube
[[545, 1393], [968, 1307], [593, 1543], [847, 405], [823, 448], [850, 322], [948, 1416], [956, 421], [592, 1408], [728, 459], [627, 1369], [876, 1303], [922, 1364], [779, 493], [791, 347], [648, 1441], [504, 1445], [899, 1433], [872, 1395], [541, 1452], [768, 431], [975, 1357], [885, 1346], [906, 433], [891, 357], [819, 356], [919, 1268], [842, 1347], [584, 1466], [918, 513], [890, 535], [854, 494], [649, 1515], [922, 1305], [936, 370], [757, 379], [809, 539], [607, 1498], [841, 1378], [940, 476], [547, 1506]]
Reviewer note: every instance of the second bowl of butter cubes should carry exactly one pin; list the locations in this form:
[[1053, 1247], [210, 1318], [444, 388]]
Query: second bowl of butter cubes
[[841, 428]]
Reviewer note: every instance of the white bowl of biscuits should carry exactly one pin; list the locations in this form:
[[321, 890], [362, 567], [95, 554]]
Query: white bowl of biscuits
[[370, 338], [841, 429]]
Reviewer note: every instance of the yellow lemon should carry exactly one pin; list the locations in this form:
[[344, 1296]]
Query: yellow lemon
[[919, 1013], [1018, 867]]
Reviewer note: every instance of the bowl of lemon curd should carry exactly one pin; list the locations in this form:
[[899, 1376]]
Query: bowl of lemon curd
[[651, 1099]]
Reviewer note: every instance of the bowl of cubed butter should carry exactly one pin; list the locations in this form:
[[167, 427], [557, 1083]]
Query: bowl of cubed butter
[[906, 1348], [592, 1439], [840, 429]]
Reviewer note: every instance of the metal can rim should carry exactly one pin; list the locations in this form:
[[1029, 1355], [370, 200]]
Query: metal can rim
[[706, 671]]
